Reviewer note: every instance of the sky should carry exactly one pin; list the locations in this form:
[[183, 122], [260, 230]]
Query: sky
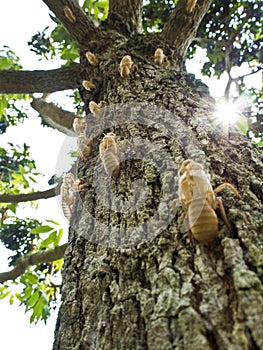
[[19, 21]]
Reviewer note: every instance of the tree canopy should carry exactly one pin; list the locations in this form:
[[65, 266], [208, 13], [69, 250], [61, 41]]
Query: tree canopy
[[230, 35]]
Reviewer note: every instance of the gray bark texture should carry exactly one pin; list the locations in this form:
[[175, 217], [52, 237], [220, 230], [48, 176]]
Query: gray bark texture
[[161, 290], [168, 292]]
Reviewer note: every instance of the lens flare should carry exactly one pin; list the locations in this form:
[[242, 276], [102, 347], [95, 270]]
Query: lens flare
[[227, 113], [230, 112]]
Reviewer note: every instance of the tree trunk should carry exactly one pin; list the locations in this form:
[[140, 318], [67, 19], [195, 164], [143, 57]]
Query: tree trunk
[[132, 277]]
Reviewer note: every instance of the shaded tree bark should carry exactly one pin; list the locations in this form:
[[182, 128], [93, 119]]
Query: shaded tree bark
[[54, 115], [125, 16], [16, 82]]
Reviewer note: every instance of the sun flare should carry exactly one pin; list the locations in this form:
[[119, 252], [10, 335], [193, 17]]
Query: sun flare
[[227, 112]]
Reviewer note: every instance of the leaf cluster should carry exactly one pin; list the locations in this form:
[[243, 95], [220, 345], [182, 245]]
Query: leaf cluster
[[16, 236], [40, 291], [10, 112], [231, 33], [17, 168], [8, 59], [39, 296], [97, 8], [155, 14], [24, 236], [56, 43], [35, 292], [41, 44]]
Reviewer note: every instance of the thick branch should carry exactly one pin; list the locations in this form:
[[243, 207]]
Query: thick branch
[[55, 116], [40, 257], [125, 16], [79, 24], [181, 27], [16, 198], [16, 82]]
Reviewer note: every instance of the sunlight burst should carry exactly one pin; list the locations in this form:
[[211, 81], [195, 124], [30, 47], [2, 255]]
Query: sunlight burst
[[227, 113]]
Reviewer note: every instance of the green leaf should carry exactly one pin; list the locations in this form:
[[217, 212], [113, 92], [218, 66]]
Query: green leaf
[[242, 124], [41, 229], [4, 295], [38, 308], [32, 179], [102, 4], [45, 313], [21, 169], [2, 289], [31, 278], [17, 178], [88, 5], [96, 12], [58, 237], [3, 104], [8, 59], [19, 297], [28, 291], [53, 222], [11, 299], [50, 239], [33, 299]]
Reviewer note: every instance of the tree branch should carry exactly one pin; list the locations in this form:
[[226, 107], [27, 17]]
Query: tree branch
[[236, 80], [125, 16], [228, 85], [248, 74], [55, 116], [182, 25], [22, 81], [33, 259], [79, 24], [16, 198]]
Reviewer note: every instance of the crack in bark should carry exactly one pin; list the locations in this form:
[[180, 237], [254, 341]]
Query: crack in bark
[[212, 340]]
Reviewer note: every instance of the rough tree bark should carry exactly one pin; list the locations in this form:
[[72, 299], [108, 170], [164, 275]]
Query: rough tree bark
[[165, 292], [159, 290]]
